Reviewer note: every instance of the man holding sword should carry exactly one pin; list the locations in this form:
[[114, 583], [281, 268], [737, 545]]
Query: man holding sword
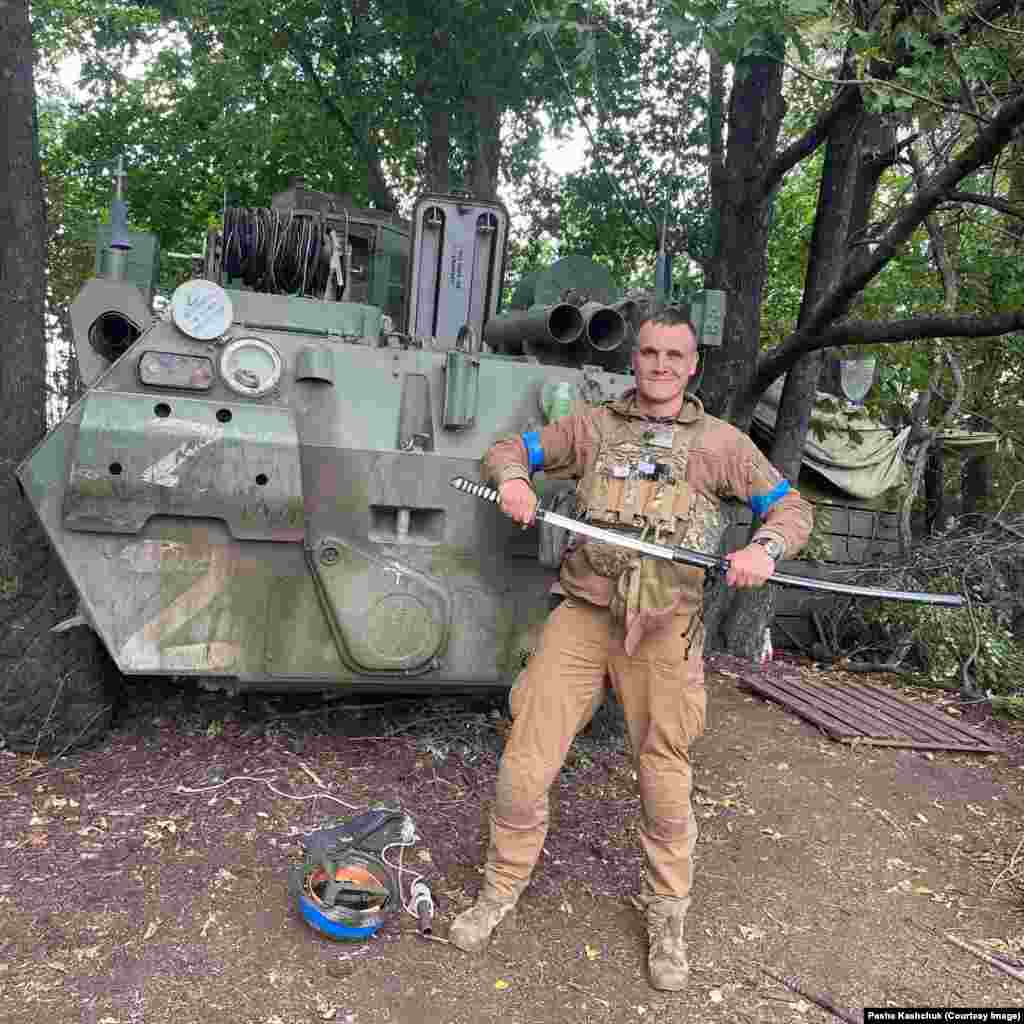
[[650, 465]]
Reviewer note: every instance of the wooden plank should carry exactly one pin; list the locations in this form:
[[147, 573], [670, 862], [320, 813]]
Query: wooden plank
[[870, 714]]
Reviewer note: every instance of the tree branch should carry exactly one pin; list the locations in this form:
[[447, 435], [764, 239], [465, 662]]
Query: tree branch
[[812, 138], [809, 141], [1001, 205], [777, 361], [993, 10], [987, 144], [379, 188], [883, 83]]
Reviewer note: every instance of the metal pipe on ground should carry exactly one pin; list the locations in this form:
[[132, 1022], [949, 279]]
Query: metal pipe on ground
[[606, 327], [557, 325]]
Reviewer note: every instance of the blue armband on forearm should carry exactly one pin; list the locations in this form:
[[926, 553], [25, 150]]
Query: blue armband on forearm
[[761, 503], [534, 452]]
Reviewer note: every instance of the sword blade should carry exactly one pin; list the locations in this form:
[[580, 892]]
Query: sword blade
[[686, 556]]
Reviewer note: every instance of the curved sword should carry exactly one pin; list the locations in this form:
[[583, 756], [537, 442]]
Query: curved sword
[[686, 556]]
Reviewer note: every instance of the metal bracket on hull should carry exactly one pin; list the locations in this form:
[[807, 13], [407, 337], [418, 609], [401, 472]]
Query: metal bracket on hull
[[386, 617]]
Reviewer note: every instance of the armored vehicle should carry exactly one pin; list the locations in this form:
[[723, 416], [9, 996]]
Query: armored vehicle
[[254, 488]]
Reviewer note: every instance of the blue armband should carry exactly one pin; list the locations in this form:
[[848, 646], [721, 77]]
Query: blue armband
[[761, 503], [534, 452]]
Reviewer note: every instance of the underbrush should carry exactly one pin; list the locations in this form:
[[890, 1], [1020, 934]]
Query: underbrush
[[977, 649]]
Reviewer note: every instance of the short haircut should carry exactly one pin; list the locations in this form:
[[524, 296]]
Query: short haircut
[[669, 316]]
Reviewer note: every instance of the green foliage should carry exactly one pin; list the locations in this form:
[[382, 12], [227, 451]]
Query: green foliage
[[1009, 707], [643, 94], [741, 31], [945, 639], [818, 548], [235, 98]]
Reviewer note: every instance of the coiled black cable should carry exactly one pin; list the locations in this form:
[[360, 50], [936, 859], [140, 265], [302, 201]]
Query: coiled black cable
[[277, 251]]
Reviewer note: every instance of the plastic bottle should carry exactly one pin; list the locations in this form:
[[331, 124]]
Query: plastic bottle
[[561, 400], [423, 906]]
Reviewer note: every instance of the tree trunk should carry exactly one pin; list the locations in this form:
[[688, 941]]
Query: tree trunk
[[22, 272], [486, 156], [751, 611], [742, 215], [381, 196], [877, 156], [49, 683], [738, 265], [826, 262], [439, 144], [934, 492]]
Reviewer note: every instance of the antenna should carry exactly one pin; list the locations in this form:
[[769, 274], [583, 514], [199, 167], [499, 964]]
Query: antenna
[[120, 244], [663, 266]]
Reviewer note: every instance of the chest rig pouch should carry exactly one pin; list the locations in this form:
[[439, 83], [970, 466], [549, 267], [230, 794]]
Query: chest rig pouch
[[636, 484]]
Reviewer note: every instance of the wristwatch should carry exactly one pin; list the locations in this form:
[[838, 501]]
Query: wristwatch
[[772, 546]]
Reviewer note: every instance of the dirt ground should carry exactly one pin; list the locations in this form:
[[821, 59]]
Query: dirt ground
[[146, 881]]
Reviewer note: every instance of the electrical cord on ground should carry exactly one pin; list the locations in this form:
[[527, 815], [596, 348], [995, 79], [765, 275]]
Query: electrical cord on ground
[[409, 834]]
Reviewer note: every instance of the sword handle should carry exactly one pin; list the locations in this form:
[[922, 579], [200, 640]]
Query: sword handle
[[482, 491]]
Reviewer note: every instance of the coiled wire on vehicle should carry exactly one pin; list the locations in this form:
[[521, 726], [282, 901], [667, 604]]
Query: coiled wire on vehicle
[[277, 251]]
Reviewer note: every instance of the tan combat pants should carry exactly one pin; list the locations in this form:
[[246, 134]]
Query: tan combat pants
[[664, 701]]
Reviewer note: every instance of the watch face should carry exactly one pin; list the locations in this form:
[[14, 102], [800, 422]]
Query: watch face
[[773, 547]]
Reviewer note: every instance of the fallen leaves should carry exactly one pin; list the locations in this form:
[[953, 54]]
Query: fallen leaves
[[59, 803], [325, 1009]]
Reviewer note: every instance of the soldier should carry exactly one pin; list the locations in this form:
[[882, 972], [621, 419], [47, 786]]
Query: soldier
[[652, 464]]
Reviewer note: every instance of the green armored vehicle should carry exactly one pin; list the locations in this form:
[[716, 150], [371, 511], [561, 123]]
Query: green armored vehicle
[[254, 488]]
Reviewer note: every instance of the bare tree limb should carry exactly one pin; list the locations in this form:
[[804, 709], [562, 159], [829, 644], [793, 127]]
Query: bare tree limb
[[777, 361], [1010, 209], [999, 28]]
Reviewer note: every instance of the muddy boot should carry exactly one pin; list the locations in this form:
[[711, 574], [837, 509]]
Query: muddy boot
[[472, 929], [666, 956]]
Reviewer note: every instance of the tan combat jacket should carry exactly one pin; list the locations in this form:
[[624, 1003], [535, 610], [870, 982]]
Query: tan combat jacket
[[720, 462]]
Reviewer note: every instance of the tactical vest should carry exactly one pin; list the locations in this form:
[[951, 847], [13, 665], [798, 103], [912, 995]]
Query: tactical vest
[[637, 484]]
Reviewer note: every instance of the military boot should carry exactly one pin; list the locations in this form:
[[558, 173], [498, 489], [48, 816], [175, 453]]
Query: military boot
[[472, 929], [666, 955]]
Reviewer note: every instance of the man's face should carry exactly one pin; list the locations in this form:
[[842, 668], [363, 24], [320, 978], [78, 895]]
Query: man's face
[[664, 360]]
